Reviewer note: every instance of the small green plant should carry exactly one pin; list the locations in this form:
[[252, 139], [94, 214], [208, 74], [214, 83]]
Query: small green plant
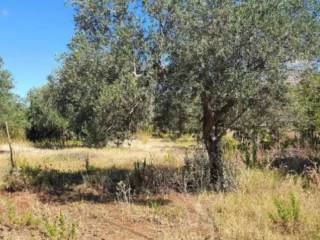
[[316, 236], [60, 229], [51, 230], [288, 214], [11, 213], [20, 219], [28, 219]]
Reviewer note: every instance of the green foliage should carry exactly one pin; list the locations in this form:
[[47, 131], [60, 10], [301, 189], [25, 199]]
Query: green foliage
[[230, 143], [6, 86], [218, 53], [288, 214], [317, 236], [174, 113], [45, 121], [118, 113], [306, 107], [12, 110]]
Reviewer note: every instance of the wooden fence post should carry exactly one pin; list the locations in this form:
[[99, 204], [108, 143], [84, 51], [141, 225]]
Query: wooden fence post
[[13, 165]]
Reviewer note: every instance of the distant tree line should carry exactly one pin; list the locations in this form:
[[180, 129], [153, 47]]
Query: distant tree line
[[201, 67]]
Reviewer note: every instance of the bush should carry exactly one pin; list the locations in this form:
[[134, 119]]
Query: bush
[[148, 178], [196, 172]]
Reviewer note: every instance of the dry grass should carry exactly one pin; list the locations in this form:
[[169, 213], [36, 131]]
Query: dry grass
[[240, 215], [157, 150]]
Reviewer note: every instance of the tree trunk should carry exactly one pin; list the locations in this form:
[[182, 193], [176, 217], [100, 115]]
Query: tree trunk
[[212, 141], [215, 159]]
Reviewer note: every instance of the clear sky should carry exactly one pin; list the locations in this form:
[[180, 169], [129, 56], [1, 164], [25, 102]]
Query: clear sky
[[33, 34]]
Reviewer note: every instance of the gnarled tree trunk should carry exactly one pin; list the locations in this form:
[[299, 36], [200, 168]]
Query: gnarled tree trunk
[[215, 159], [212, 141]]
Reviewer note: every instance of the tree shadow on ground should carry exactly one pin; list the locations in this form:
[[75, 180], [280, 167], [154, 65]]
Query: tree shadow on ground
[[93, 185], [54, 146], [104, 185], [156, 202]]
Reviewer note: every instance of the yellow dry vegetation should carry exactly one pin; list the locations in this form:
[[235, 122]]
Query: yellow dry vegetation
[[244, 214]]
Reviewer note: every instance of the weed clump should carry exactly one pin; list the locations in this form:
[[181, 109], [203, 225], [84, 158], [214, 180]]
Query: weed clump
[[288, 214], [16, 181], [60, 228]]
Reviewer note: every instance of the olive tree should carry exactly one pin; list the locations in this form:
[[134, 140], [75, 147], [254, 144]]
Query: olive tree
[[230, 57], [102, 86]]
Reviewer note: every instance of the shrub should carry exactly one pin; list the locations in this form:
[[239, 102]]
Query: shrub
[[196, 172], [148, 178], [194, 176], [98, 182], [197, 175]]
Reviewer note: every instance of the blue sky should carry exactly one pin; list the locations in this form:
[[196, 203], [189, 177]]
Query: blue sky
[[33, 33]]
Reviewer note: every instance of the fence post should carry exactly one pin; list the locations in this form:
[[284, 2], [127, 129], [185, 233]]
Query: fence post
[[13, 165]]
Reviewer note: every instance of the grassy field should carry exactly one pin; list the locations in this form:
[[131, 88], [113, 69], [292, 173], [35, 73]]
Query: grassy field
[[267, 205]]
